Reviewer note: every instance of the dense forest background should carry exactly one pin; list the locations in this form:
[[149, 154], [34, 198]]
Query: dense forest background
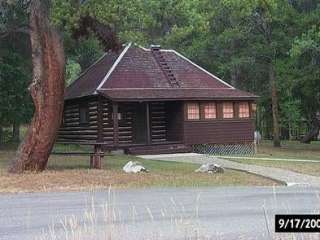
[[268, 47]]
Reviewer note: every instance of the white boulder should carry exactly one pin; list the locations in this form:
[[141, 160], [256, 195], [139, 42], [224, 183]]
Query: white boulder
[[210, 168], [134, 167]]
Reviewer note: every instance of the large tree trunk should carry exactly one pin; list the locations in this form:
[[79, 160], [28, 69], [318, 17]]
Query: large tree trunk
[[234, 76], [1, 135], [314, 132], [275, 111], [47, 90], [15, 132]]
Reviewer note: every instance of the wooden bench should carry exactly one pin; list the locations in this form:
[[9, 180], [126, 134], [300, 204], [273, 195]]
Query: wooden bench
[[95, 157]]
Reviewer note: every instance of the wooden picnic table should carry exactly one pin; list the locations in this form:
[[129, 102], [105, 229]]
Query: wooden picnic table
[[95, 157]]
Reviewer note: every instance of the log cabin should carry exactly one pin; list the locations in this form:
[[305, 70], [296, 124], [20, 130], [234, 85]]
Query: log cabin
[[154, 100]]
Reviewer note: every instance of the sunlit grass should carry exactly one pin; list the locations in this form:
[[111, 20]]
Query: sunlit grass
[[301, 167], [290, 149]]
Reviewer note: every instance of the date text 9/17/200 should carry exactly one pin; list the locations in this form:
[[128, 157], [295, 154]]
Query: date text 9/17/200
[[297, 223]]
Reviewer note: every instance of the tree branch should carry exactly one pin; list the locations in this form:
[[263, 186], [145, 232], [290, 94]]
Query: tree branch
[[105, 34], [21, 29]]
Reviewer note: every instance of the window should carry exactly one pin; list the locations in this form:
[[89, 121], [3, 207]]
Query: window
[[228, 110], [84, 115], [254, 109], [193, 111], [210, 111], [244, 110]]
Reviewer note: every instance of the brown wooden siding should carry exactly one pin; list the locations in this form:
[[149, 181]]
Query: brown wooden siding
[[167, 123], [125, 123], [107, 122], [219, 131], [174, 116], [158, 122], [71, 129]]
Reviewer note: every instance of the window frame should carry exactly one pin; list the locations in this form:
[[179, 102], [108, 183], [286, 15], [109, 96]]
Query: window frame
[[187, 112], [219, 110], [84, 108], [253, 109], [248, 105], [233, 110], [206, 104]]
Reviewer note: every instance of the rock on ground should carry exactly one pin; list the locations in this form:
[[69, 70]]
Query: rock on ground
[[210, 168], [134, 167]]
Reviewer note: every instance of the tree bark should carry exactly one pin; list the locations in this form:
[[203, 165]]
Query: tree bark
[[314, 130], [47, 91], [290, 131], [15, 132], [234, 76], [1, 134], [275, 111]]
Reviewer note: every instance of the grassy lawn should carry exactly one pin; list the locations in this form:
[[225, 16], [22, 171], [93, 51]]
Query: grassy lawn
[[290, 149], [307, 168], [67, 173]]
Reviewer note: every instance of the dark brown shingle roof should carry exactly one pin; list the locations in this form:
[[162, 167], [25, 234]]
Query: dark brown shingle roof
[[90, 79], [135, 74]]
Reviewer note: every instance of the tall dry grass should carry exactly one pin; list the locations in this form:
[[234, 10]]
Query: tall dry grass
[[106, 222]]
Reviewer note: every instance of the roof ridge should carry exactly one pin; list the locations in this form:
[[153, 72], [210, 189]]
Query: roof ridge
[[113, 67], [88, 68], [148, 49], [193, 63]]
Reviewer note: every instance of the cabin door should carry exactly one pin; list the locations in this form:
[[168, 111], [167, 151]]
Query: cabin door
[[139, 124]]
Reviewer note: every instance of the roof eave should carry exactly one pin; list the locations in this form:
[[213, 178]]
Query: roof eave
[[81, 96], [250, 98]]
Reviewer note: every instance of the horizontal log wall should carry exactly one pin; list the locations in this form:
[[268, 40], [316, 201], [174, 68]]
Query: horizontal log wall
[[72, 130], [175, 118], [218, 131], [158, 122], [166, 124], [126, 111], [107, 121]]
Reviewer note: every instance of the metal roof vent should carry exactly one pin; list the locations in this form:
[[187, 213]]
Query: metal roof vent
[[155, 47]]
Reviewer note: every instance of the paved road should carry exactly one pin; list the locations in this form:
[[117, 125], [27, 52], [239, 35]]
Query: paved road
[[282, 175], [206, 213]]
